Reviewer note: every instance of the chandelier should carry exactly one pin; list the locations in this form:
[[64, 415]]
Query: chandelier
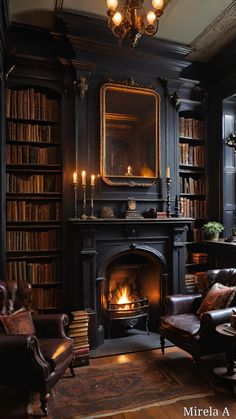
[[131, 19]]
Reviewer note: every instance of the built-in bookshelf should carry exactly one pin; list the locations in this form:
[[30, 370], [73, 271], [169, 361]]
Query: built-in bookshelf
[[191, 167], [34, 192]]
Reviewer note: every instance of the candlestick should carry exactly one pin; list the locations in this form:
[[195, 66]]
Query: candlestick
[[83, 215], [168, 182], [92, 216], [75, 178], [83, 178], [168, 172]]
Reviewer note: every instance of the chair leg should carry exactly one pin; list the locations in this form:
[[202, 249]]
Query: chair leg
[[72, 370], [162, 339], [44, 403]]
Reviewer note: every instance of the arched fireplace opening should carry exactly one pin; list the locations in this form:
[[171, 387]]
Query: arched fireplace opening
[[132, 291]]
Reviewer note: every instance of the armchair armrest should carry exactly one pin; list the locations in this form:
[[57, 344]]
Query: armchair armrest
[[182, 303], [19, 356], [51, 325], [210, 319]]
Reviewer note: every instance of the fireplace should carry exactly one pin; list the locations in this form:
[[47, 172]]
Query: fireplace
[[131, 291], [144, 257]]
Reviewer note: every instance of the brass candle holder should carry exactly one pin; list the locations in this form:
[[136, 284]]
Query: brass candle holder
[[168, 182], [92, 216], [83, 215], [75, 200]]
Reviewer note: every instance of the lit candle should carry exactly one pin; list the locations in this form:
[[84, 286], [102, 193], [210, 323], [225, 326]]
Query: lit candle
[[92, 180], [129, 170], [83, 178], [168, 172], [75, 178]]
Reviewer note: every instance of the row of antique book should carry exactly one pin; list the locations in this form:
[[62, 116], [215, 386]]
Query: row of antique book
[[26, 154], [18, 131], [191, 128], [32, 240], [34, 272], [33, 211], [31, 104], [194, 282], [33, 183], [193, 155], [46, 298], [194, 208], [191, 186]]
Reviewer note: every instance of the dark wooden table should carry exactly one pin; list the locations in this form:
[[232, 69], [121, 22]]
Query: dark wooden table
[[228, 372]]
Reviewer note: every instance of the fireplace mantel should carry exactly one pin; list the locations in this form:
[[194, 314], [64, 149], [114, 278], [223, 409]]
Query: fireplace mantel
[[95, 242]]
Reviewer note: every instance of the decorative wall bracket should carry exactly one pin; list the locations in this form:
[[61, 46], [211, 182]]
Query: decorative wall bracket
[[82, 85]]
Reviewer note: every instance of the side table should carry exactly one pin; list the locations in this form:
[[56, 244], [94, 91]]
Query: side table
[[228, 372]]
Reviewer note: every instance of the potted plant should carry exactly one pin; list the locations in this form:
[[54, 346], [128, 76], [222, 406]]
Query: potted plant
[[212, 230]]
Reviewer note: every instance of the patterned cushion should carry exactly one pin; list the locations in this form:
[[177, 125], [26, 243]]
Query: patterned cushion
[[19, 323], [218, 297]]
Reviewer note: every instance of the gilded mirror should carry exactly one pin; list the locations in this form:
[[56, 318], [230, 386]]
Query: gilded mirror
[[129, 135]]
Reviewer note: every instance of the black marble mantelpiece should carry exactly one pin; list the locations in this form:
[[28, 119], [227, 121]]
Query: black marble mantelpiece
[[94, 243]]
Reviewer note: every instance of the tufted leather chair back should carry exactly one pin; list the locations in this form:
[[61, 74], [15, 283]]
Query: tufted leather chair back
[[14, 295]]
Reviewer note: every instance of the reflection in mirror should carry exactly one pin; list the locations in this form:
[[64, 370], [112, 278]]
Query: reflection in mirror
[[129, 135]]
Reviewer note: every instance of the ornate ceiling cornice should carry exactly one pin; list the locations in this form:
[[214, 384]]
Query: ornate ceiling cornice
[[218, 34]]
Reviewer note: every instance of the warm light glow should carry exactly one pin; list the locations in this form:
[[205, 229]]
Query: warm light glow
[[117, 18], [151, 17], [112, 4], [129, 170], [133, 20], [83, 178], [123, 296], [92, 180], [75, 178], [168, 172], [157, 4]]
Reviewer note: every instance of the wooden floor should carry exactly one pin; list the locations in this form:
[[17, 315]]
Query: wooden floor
[[220, 400], [223, 398]]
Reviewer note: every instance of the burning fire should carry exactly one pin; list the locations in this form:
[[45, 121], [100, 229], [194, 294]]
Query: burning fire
[[123, 297]]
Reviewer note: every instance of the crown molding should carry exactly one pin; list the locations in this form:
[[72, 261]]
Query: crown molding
[[218, 34]]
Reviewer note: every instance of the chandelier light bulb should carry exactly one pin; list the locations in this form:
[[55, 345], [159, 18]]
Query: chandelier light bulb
[[157, 4], [151, 17], [112, 4], [117, 18]]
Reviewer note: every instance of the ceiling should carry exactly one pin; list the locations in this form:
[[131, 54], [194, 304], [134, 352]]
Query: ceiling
[[205, 25]]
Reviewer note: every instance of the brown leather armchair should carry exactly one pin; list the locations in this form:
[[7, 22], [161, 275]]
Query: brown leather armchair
[[33, 362], [186, 329]]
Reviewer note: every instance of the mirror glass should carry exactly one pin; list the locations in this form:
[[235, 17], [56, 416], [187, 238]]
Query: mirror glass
[[129, 135]]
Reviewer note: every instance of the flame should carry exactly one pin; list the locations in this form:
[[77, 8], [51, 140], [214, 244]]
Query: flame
[[123, 295]]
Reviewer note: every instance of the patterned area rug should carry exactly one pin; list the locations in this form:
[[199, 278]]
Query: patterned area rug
[[107, 389]]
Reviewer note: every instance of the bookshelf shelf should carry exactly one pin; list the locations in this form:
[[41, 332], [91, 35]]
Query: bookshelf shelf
[[34, 192], [33, 121], [34, 168], [192, 191]]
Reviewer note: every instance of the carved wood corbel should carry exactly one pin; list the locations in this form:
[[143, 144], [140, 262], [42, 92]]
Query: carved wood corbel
[[82, 86]]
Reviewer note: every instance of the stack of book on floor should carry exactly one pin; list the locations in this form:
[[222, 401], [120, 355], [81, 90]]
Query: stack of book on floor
[[78, 332], [190, 283], [201, 257]]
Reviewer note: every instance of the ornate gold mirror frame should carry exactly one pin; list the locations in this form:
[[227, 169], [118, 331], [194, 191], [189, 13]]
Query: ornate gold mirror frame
[[129, 135]]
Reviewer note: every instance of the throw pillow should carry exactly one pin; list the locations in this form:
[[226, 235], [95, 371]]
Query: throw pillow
[[218, 297], [19, 323]]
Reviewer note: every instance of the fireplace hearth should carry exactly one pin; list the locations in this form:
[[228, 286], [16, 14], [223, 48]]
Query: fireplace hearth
[[128, 314], [145, 255]]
